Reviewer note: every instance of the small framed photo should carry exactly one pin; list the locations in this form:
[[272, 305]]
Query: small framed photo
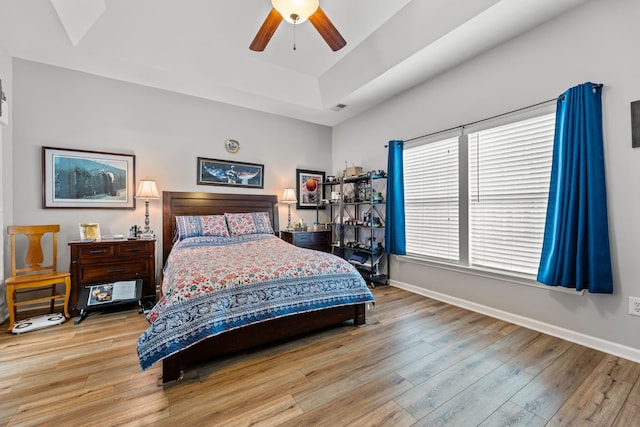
[[227, 173], [309, 189], [90, 231], [87, 179]]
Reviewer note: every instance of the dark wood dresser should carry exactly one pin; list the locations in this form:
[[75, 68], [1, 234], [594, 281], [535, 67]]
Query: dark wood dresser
[[110, 261], [318, 240]]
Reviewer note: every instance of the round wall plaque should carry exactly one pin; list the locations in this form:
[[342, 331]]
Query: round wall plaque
[[231, 145]]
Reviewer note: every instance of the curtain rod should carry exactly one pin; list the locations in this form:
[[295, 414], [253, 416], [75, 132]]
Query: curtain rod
[[595, 86], [480, 121]]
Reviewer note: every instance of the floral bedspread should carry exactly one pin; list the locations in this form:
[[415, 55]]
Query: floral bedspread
[[215, 284]]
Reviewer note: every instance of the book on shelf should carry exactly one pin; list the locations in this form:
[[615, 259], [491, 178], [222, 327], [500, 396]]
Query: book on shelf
[[111, 292]]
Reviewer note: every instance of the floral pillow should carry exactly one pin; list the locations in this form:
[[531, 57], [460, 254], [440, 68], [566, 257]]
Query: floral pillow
[[204, 225], [262, 221], [214, 225], [249, 223]]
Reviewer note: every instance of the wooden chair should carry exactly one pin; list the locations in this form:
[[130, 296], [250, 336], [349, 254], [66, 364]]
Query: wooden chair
[[35, 276]]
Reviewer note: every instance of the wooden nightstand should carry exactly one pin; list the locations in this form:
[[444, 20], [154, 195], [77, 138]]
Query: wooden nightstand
[[110, 261], [318, 240]]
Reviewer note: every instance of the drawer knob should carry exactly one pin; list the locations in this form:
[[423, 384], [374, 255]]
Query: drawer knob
[[115, 270]]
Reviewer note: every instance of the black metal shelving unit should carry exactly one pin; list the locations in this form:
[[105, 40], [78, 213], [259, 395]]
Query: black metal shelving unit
[[358, 222]]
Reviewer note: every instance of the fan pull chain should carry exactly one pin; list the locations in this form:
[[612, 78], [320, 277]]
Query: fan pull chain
[[294, 18]]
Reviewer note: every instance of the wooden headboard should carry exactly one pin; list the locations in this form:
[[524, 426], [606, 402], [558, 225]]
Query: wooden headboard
[[181, 203]]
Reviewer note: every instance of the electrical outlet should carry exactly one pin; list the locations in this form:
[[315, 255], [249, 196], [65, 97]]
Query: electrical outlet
[[634, 306]]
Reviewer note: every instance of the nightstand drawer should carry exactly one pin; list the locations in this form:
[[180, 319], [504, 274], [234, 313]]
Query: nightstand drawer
[[302, 238], [134, 249], [318, 240], [111, 272], [321, 237], [97, 251]]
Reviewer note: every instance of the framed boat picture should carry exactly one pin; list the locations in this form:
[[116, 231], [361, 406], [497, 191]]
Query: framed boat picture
[[228, 173]]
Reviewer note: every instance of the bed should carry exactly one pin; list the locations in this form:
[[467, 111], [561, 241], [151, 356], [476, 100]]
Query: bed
[[214, 303]]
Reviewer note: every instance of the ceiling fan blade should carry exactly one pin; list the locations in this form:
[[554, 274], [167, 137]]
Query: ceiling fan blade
[[326, 29], [269, 26]]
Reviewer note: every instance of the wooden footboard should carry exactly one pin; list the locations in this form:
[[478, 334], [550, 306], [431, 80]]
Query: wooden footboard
[[258, 334]]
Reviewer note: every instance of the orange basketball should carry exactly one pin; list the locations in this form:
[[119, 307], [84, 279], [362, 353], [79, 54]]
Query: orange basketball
[[311, 184]]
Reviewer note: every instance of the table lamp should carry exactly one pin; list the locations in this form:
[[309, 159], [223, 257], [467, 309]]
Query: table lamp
[[147, 190], [289, 198]]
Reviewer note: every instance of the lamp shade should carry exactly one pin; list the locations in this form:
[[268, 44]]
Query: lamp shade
[[147, 190], [289, 196], [302, 9]]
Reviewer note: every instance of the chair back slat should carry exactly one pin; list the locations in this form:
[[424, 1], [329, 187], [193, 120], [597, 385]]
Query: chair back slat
[[34, 256]]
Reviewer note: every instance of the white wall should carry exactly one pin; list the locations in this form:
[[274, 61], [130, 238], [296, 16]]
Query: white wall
[[5, 154], [166, 131], [596, 42]]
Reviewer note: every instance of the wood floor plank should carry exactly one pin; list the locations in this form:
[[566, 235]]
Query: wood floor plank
[[542, 351], [435, 362], [548, 391], [512, 415], [600, 397], [378, 345], [468, 324], [271, 413], [234, 399], [369, 370], [629, 415], [69, 407], [426, 397], [318, 394], [140, 410], [512, 343], [349, 406], [477, 402], [416, 361], [389, 414]]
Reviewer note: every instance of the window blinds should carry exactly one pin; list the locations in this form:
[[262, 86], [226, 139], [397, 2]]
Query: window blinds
[[509, 172], [431, 199]]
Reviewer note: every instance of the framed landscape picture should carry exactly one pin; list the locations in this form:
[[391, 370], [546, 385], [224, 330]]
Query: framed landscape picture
[[309, 188], [227, 173], [87, 179]]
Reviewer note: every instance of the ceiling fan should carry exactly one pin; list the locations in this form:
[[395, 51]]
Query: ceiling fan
[[296, 12]]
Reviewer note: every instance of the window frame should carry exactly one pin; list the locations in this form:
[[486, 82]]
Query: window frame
[[463, 265]]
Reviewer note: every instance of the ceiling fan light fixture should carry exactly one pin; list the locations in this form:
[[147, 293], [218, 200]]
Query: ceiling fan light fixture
[[295, 11]]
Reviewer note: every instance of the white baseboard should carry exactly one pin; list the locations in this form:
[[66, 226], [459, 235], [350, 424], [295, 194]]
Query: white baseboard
[[619, 350]]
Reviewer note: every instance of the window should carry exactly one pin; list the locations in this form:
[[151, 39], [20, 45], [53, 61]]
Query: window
[[431, 199], [497, 189]]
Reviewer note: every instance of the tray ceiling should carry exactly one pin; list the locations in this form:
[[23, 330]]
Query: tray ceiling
[[201, 47]]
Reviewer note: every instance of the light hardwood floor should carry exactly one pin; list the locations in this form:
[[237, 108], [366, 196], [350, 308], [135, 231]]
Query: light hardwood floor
[[417, 362]]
